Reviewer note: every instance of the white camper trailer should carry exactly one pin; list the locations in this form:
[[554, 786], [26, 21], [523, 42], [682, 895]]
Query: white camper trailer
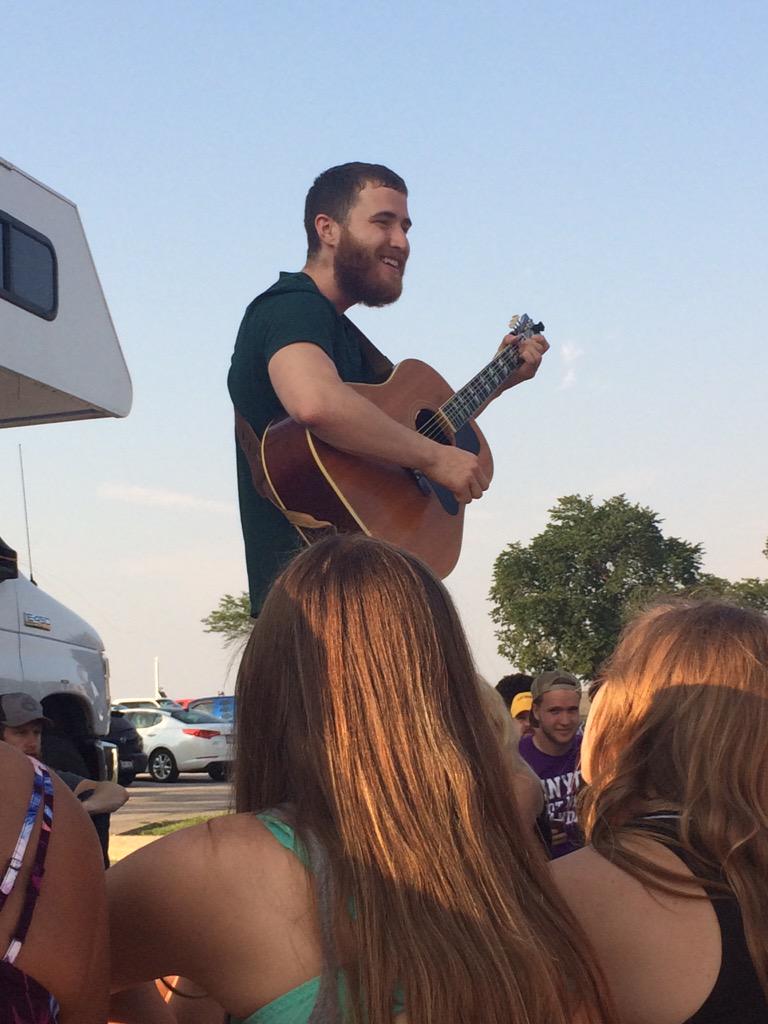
[[59, 355], [60, 359]]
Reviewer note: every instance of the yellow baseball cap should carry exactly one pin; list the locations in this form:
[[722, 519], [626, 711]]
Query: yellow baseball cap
[[521, 703]]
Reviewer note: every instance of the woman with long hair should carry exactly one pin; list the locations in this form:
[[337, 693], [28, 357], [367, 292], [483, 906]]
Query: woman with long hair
[[378, 868], [671, 889]]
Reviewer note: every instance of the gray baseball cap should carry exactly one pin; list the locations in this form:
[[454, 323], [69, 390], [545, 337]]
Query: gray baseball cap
[[19, 709], [555, 679]]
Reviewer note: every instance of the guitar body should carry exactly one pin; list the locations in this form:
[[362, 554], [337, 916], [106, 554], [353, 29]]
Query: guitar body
[[355, 494]]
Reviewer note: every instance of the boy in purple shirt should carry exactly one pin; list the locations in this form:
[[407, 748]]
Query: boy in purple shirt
[[553, 752]]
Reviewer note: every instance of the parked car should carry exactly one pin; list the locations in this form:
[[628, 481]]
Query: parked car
[[131, 759], [148, 702], [220, 706], [176, 741]]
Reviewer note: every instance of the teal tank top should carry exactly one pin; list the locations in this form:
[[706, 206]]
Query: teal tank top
[[298, 1006]]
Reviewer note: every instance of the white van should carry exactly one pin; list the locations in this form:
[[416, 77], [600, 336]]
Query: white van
[[60, 359]]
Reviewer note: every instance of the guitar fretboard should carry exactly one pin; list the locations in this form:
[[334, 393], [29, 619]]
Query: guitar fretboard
[[465, 403]]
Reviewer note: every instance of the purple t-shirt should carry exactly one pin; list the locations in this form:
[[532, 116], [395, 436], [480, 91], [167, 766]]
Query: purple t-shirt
[[561, 779]]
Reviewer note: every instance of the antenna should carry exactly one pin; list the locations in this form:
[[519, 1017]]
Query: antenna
[[159, 691], [26, 516]]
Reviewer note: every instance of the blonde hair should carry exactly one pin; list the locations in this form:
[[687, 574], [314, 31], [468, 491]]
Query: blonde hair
[[503, 724], [358, 705], [682, 723]]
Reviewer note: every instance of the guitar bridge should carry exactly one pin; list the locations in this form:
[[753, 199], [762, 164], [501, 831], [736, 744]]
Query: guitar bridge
[[424, 485]]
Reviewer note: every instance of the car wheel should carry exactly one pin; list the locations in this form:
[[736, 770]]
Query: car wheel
[[219, 771], [162, 766], [126, 778]]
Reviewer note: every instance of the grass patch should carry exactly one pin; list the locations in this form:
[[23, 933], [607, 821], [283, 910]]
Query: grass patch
[[162, 828]]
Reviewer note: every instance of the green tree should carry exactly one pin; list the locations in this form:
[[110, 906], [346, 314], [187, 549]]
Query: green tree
[[562, 599], [232, 619]]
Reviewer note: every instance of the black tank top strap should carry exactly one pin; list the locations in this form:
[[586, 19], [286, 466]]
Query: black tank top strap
[[737, 995]]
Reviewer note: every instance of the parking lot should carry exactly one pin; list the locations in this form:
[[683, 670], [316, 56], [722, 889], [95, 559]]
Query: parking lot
[[152, 801]]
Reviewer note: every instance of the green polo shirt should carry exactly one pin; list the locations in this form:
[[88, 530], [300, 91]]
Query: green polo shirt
[[292, 310]]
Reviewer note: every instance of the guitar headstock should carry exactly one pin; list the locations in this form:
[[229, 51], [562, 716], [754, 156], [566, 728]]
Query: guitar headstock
[[523, 326]]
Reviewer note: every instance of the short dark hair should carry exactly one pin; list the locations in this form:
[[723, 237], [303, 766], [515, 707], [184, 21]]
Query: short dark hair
[[334, 193], [509, 686]]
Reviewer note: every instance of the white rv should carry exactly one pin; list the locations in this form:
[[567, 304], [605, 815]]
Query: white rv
[[60, 359]]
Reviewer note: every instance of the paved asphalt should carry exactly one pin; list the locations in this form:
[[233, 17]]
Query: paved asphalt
[[151, 801]]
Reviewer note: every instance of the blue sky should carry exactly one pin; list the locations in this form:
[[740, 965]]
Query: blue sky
[[600, 166]]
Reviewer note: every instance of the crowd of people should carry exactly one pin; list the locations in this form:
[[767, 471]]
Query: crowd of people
[[409, 844], [385, 864]]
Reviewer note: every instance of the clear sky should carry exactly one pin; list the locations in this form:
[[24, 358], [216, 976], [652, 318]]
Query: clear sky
[[601, 166]]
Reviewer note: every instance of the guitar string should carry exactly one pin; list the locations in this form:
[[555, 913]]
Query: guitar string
[[464, 400], [488, 379], [464, 403], [487, 376]]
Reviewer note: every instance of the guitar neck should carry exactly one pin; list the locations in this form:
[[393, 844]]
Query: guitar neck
[[465, 404]]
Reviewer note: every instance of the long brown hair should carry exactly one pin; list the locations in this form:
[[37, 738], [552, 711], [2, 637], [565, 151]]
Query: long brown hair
[[358, 705], [681, 722]]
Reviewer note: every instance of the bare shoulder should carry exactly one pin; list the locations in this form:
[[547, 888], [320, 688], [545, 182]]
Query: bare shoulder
[[65, 949], [660, 953], [203, 848], [584, 868], [161, 925], [596, 889]]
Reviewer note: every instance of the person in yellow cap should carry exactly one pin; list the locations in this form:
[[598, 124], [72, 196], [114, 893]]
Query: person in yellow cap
[[520, 710]]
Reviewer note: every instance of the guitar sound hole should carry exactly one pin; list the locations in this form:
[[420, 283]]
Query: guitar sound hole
[[432, 430]]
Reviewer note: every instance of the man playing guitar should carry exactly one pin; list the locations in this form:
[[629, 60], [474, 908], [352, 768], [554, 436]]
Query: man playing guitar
[[296, 351]]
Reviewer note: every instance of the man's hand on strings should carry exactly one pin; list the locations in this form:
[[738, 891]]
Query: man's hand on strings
[[531, 351], [458, 470]]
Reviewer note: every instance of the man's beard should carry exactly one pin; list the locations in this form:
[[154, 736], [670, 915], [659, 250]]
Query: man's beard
[[359, 276]]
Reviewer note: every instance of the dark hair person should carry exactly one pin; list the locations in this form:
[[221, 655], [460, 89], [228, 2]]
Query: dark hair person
[[672, 889], [363, 747], [335, 192]]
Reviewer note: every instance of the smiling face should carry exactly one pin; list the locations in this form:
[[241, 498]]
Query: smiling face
[[558, 720], [372, 250]]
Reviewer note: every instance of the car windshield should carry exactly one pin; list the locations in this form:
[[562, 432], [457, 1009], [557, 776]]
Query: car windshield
[[194, 717]]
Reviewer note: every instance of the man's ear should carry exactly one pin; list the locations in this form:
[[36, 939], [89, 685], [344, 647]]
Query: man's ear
[[328, 230]]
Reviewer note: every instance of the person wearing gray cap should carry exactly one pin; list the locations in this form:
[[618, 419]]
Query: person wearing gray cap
[[553, 751], [21, 726]]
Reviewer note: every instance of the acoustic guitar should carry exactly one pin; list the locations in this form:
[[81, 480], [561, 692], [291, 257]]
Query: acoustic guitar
[[319, 487]]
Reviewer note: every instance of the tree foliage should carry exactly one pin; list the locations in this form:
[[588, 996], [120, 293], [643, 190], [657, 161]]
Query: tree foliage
[[562, 599], [232, 619]]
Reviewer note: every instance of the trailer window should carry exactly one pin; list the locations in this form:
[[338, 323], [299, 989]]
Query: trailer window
[[28, 271]]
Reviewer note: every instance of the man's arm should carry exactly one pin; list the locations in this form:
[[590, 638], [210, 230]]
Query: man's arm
[[105, 796], [312, 393]]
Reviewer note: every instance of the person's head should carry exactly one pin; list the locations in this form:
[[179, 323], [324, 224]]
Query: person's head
[[680, 721], [508, 687], [356, 214], [555, 714], [359, 707], [520, 711], [682, 705], [355, 638], [21, 722]]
